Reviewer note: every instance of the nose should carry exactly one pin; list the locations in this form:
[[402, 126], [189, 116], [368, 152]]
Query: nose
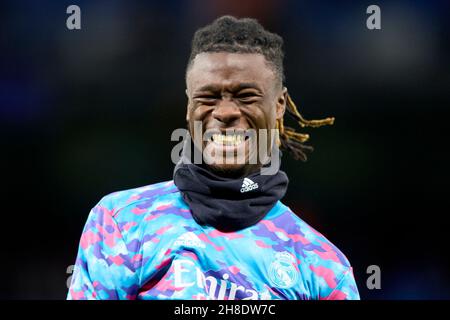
[[226, 112]]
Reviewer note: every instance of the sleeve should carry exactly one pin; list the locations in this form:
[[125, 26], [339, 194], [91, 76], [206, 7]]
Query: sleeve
[[103, 268], [346, 288]]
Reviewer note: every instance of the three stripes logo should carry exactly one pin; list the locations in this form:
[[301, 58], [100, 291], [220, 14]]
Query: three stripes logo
[[189, 239], [248, 185]]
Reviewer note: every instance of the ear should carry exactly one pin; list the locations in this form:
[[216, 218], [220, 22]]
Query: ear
[[281, 103]]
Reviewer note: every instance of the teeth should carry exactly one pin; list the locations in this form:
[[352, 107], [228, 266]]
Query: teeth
[[232, 140]]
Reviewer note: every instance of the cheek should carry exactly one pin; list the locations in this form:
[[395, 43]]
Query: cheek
[[198, 113], [197, 118], [271, 120], [257, 116], [193, 117], [270, 116]]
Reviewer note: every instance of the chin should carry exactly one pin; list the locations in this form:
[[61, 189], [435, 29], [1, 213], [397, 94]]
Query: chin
[[235, 166]]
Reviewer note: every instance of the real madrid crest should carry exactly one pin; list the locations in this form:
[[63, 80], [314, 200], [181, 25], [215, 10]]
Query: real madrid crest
[[283, 272]]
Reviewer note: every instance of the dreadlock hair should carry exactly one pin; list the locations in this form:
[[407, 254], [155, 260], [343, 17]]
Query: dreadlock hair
[[233, 35]]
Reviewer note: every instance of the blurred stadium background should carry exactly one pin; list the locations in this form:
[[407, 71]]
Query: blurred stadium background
[[85, 113]]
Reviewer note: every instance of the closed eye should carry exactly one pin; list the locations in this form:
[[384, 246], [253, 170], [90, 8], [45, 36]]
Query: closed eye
[[206, 99], [248, 97]]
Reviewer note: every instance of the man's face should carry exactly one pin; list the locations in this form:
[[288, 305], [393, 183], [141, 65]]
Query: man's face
[[230, 94]]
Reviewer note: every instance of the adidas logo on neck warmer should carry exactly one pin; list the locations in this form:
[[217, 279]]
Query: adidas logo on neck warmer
[[248, 185]]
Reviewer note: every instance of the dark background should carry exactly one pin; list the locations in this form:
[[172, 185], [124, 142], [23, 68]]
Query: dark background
[[88, 112]]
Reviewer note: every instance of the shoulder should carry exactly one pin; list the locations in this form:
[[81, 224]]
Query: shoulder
[[132, 205], [119, 200], [327, 269], [310, 243]]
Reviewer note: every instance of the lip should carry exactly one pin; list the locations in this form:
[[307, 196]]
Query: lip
[[224, 149], [210, 132], [228, 150]]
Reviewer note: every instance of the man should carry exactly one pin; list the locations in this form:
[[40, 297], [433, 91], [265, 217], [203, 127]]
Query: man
[[218, 230]]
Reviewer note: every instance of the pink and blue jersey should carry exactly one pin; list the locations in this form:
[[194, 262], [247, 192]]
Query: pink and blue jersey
[[143, 243]]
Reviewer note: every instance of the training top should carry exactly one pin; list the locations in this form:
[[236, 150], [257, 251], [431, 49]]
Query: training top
[[143, 243]]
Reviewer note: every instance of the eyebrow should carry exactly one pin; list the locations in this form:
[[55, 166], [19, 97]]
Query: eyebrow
[[235, 88]]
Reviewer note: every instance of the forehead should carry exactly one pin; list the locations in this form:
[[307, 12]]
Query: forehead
[[223, 69]]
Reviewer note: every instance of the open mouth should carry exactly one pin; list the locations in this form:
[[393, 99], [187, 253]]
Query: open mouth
[[232, 139], [231, 146]]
